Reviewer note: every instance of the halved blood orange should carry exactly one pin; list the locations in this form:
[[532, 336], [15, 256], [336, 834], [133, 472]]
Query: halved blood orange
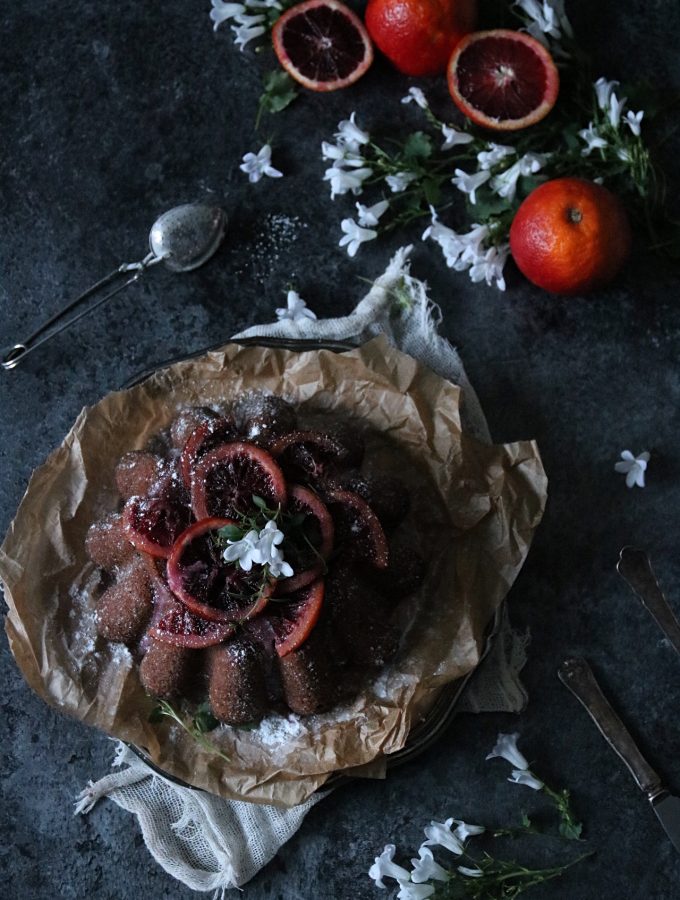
[[174, 624], [322, 44], [205, 437], [308, 544], [153, 523], [503, 80], [357, 528], [225, 479], [294, 619], [308, 454], [207, 585]]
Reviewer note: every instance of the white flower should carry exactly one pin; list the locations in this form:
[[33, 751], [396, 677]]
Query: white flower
[[464, 831], [506, 748], [440, 834], [489, 267], [471, 873], [633, 121], [634, 468], [296, 309], [245, 551], [603, 92], [383, 867], [468, 183], [409, 891], [247, 29], [426, 868], [351, 135], [343, 181], [257, 165], [546, 19], [341, 155], [400, 181], [593, 139], [222, 12], [369, 215], [487, 159], [415, 95], [522, 776], [615, 109], [452, 137], [505, 183], [355, 235], [267, 545]]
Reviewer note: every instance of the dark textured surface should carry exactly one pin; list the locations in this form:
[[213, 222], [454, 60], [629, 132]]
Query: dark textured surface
[[112, 113]]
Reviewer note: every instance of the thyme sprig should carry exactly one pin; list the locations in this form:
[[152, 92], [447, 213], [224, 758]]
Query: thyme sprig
[[198, 726]]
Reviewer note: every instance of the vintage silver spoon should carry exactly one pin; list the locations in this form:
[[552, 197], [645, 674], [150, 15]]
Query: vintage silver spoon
[[183, 238]]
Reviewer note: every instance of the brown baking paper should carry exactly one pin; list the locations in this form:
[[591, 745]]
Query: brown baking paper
[[474, 511]]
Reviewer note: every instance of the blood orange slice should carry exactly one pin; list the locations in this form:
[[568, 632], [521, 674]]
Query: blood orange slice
[[205, 437], [322, 44], [153, 523], [206, 584], [174, 624], [308, 454], [308, 541], [503, 80], [294, 620], [358, 528], [225, 480]]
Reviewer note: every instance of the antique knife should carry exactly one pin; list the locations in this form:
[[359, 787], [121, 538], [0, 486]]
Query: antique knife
[[635, 568], [579, 678]]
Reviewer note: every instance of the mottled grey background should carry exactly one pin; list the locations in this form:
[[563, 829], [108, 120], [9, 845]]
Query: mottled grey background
[[113, 112]]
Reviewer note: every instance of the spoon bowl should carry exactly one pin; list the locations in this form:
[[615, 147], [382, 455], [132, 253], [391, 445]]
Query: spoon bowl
[[183, 238]]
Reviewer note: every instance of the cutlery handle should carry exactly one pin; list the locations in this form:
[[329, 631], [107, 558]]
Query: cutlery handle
[[577, 675], [635, 568]]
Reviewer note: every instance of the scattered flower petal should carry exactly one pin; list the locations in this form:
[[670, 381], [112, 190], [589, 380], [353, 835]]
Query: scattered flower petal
[[383, 867], [259, 164], [633, 467]]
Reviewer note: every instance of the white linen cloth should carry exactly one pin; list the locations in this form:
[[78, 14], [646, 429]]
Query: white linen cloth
[[212, 844]]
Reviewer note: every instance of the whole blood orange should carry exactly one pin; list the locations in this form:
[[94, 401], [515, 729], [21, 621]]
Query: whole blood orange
[[570, 236], [418, 36], [502, 80]]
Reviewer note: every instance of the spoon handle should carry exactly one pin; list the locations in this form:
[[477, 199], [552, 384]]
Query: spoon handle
[[636, 570], [577, 675], [10, 357]]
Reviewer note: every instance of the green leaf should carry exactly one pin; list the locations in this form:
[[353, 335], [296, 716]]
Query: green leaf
[[418, 146], [259, 502], [486, 206], [432, 191], [204, 720], [571, 830], [230, 533], [279, 91], [156, 715], [526, 821]]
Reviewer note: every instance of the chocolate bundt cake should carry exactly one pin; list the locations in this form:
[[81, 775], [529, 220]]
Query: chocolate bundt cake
[[254, 560]]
